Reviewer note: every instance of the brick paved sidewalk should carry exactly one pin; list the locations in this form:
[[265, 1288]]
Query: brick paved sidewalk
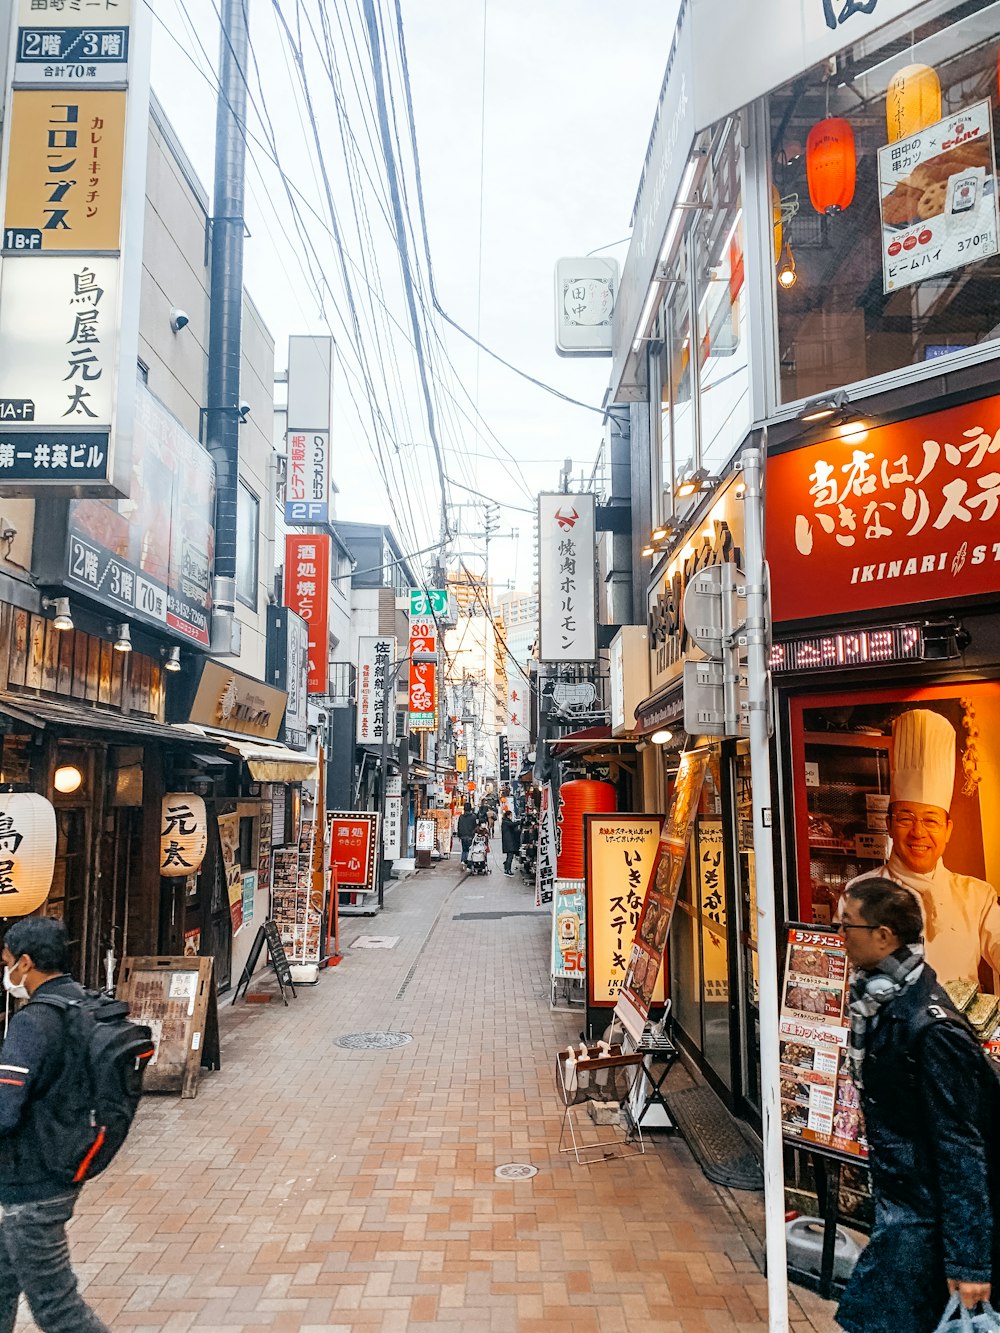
[[312, 1188]]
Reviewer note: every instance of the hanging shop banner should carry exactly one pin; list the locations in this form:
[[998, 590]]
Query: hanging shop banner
[[229, 839], [423, 675], [376, 658], [150, 556], [72, 44], [620, 860], [820, 1106], [353, 842], [545, 861], [288, 669], [905, 516], [307, 593], [428, 602], [393, 832], [566, 581], [503, 752], [569, 930], [938, 197], [645, 965]]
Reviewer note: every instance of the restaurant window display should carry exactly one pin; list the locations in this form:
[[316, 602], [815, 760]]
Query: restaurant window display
[[902, 783], [883, 167]]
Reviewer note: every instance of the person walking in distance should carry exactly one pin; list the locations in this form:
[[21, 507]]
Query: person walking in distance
[[930, 1103], [510, 841], [466, 830]]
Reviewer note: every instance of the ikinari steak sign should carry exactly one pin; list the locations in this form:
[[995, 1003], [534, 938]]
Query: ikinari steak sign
[[903, 515]]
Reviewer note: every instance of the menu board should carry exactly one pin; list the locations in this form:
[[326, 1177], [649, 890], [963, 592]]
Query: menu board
[[820, 1105]]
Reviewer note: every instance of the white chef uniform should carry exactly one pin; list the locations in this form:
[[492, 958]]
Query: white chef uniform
[[961, 913]]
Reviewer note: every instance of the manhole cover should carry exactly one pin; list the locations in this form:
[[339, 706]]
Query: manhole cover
[[373, 1041], [375, 942], [515, 1171]]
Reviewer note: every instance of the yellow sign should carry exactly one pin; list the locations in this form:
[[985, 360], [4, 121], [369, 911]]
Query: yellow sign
[[461, 764], [64, 174], [621, 856]]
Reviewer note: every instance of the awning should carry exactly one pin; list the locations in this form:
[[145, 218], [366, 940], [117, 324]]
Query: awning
[[661, 709], [42, 713], [274, 763], [587, 740]]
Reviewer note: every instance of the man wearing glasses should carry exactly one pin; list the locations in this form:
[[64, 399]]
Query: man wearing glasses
[[961, 913], [929, 1101]]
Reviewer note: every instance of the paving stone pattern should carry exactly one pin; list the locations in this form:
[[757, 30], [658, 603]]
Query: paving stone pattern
[[310, 1188]]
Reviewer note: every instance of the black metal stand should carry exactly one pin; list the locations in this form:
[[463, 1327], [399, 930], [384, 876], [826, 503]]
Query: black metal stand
[[663, 1051]]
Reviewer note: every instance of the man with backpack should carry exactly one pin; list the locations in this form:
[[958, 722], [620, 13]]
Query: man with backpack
[[930, 1100], [467, 823], [70, 1076]]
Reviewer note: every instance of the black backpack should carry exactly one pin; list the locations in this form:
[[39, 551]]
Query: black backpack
[[85, 1114]]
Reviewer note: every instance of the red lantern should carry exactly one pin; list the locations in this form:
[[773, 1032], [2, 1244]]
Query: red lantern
[[831, 165]]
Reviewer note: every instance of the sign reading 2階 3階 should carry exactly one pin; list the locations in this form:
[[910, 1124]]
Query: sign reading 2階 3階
[[72, 190], [904, 516]]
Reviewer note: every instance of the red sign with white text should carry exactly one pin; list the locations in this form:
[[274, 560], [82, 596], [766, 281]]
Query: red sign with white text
[[353, 840], [904, 514], [307, 591], [423, 675]]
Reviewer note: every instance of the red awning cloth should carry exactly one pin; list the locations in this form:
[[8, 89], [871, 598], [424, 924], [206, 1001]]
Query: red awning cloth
[[589, 738]]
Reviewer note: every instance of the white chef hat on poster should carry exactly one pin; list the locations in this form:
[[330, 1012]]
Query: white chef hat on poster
[[923, 758]]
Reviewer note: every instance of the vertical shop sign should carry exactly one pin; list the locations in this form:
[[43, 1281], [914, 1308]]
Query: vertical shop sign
[[820, 1106], [620, 861], [428, 602], [309, 423], [503, 748], [72, 195], [646, 958], [569, 930], [376, 654], [423, 675], [353, 841], [264, 830], [229, 840], [392, 833], [545, 861], [566, 579], [307, 593]]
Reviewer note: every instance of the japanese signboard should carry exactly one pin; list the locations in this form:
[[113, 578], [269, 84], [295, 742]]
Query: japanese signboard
[[353, 840], [72, 181], [503, 753], [307, 592], [938, 197], [638, 990], [820, 1106], [150, 556], [230, 701], [309, 419], [566, 579], [307, 489], [428, 602], [585, 301], [64, 170], [298, 917], [545, 858], [423, 675], [229, 842], [569, 930], [907, 515], [620, 860], [392, 833], [376, 664], [288, 670]]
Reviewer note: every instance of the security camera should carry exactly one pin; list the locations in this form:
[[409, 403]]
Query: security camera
[[244, 411], [179, 319]]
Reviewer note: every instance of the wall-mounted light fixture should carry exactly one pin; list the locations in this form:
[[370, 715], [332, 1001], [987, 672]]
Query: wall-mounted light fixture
[[787, 275], [694, 483], [67, 779], [830, 407], [63, 618], [123, 637], [662, 737], [173, 659]]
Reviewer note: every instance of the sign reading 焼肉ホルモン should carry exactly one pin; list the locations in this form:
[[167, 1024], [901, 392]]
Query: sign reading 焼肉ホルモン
[[566, 578]]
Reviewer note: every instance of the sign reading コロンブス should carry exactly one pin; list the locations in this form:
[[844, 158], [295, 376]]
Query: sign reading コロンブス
[[906, 515], [566, 581]]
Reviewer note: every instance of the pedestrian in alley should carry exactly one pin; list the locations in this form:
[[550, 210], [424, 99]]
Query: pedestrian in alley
[[466, 830], [510, 841], [34, 1252], [930, 1103]]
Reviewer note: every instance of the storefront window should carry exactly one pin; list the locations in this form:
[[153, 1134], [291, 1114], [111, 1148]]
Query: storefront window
[[679, 362], [905, 272]]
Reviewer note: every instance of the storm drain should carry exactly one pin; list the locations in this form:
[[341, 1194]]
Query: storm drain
[[373, 1041], [515, 1171]]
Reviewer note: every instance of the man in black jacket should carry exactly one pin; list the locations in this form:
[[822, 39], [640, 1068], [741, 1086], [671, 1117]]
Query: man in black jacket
[[510, 841], [467, 830], [34, 1253], [928, 1097]]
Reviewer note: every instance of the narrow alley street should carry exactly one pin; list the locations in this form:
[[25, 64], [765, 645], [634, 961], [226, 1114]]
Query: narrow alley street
[[310, 1188]]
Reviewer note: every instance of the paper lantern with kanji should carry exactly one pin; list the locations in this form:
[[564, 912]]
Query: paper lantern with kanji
[[27, 852], [831, 165], [912, 101], [183, 834]]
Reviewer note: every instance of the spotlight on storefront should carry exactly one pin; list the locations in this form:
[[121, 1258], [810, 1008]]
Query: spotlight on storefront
[[828, 408], [662, 737], [173, 659], [648, 552], [694, 483], [659, 534], [787, 275], [67, 778], [123, 637], [63, 618]]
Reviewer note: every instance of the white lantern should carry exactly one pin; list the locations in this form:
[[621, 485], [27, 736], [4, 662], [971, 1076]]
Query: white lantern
[[27, 852], [183, 834]]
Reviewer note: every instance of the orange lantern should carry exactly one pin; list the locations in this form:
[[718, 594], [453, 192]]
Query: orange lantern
[[831, 165], [912, 101]]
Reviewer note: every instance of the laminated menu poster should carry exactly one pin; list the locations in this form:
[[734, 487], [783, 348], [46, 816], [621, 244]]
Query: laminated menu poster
[[820, 1105], [297, 918]]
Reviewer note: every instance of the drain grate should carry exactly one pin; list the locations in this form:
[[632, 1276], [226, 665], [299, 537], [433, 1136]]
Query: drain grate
[[515, 1171], [373, 1041], [489, 916]]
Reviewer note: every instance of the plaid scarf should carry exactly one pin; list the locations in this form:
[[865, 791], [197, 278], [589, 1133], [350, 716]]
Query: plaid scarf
[[871, 990]]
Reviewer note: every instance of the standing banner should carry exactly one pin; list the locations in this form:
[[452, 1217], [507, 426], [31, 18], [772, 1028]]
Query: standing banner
[[569, 930], [646, 959], [393, 831], [307, 593], [353, 839], [620, 859], [376, 654], [820, 1105], [567, 589], [229, 840], [545, 860]]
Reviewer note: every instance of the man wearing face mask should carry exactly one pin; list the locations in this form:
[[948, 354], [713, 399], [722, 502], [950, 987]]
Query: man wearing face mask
[[34, 1254]]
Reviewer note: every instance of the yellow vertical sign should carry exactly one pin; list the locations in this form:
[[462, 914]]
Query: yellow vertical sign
[[64, 174], [621, 856]]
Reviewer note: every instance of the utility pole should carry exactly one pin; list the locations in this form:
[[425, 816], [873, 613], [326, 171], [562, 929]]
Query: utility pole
[[222, 415]]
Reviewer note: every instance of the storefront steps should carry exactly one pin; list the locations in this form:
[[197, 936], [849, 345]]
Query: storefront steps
[[309, 1187]]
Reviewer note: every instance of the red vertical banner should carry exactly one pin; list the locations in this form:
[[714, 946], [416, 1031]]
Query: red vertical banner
[[423, 675], [307, 591]]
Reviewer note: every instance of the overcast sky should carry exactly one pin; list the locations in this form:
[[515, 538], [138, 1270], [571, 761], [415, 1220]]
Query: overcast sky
[[570, 94]]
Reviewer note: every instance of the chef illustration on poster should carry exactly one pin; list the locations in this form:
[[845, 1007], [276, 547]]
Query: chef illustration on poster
[[961, 913]]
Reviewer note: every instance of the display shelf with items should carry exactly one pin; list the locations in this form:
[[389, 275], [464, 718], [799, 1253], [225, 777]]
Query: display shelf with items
[[845, 782]]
